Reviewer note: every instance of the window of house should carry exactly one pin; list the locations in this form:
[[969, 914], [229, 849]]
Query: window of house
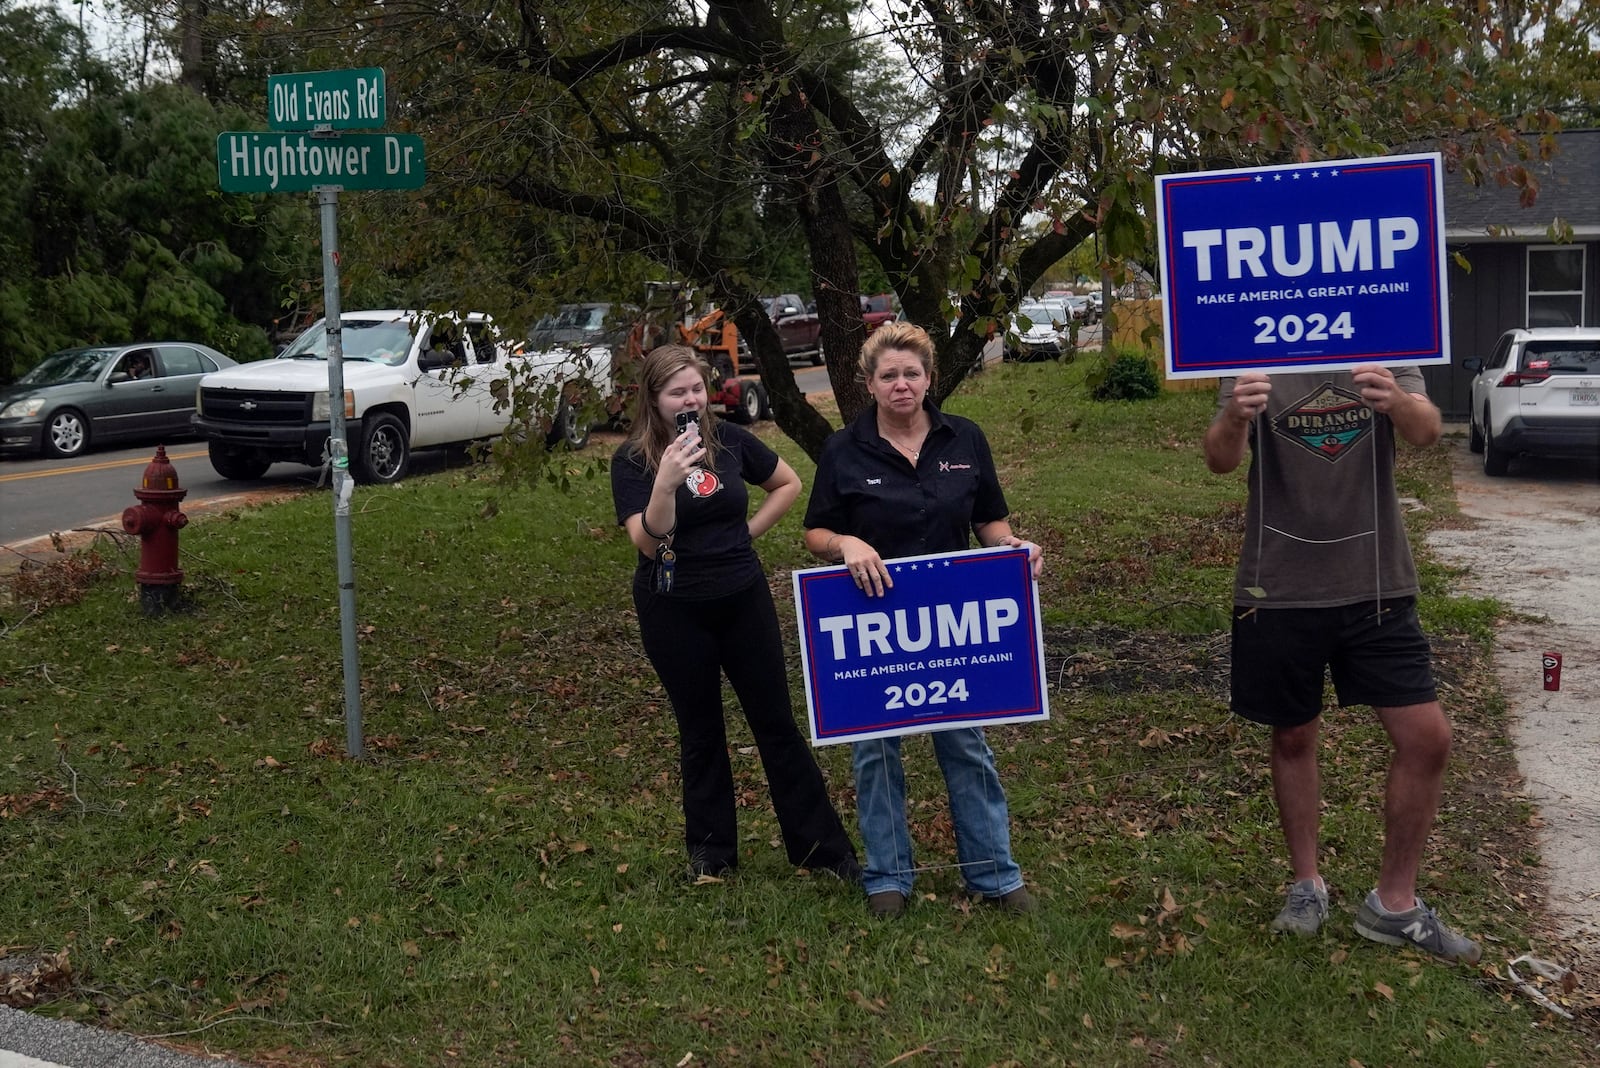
[[1555, 285]]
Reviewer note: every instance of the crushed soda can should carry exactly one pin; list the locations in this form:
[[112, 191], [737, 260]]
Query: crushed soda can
[[1552, 671]]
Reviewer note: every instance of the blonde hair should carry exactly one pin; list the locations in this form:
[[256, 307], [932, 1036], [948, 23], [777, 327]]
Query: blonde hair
[[652, 432], [898, 336]]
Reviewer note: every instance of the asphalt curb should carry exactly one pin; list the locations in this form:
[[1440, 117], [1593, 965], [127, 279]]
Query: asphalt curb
[[28, 1041]]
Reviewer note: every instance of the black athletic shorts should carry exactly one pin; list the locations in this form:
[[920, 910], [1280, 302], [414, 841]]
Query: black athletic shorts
[[1280, 656]]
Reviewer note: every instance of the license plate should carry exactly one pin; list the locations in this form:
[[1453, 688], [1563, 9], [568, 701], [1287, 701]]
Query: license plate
[[1586, 397]]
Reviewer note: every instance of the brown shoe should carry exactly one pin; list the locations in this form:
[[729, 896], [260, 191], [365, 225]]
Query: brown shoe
[[1018, 900], [886, 904]]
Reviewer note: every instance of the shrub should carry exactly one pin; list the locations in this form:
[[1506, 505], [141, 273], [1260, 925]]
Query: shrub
[[1129, 377]]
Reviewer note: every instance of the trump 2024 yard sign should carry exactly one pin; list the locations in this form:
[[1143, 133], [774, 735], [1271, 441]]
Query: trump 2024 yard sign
[[955, 643], [1304, 267]]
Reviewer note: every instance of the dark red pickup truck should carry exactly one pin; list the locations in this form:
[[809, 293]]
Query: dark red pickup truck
[[801, 331], [798, 328], [877, 309]]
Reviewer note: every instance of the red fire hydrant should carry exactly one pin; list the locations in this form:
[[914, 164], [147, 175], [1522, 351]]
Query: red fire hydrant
[[157, 522]]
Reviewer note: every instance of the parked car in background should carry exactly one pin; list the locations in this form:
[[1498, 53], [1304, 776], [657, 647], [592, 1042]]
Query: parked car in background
[[1081, 308], [583, 325], [412, 381], [1036, 334], [798, 328], [1056, 305], [1538, 394], [877, 309], [78, 398]]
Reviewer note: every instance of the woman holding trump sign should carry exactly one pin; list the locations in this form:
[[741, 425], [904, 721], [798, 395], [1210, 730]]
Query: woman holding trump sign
[[904, 479]]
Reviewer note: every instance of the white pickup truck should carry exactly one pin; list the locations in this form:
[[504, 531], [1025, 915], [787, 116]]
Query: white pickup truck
[[411, 381]]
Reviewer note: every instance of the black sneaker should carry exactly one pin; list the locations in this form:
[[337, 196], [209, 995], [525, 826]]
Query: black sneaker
[[848, 870], [702, 870]]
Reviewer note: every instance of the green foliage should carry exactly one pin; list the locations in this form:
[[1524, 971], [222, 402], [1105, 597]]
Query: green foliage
[[113, 229], [1124, 376]]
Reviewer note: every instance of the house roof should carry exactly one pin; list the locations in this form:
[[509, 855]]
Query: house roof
[[1569, 189]]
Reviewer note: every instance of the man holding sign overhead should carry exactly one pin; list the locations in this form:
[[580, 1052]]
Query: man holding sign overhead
[[1329, 276], [1326, 582]]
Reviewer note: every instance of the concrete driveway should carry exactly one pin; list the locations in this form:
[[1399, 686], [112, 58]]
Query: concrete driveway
[[1533, 544]]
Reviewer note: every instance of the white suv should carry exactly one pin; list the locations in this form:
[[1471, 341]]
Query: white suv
[[1537, 393]]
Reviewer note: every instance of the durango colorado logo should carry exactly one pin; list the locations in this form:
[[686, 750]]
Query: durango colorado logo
[[1327, 421]]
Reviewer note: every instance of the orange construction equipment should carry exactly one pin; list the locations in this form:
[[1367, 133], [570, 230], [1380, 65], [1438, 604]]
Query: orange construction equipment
[[665, 316]]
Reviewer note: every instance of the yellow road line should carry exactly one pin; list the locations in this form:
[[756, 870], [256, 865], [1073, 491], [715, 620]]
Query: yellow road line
[[103, 466]]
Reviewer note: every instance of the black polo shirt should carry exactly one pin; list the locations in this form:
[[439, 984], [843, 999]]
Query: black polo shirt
[[866, 488], [715, 554]]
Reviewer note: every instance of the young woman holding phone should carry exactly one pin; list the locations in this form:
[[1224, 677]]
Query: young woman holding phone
[[680, 486]]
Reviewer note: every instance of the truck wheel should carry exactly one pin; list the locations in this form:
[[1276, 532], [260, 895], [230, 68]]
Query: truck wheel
[[1474, 437], [385, 453], [818, 358], [67, 433], [751, 398], [1495, 459], [766, 401], [230, 463], [568, 426]]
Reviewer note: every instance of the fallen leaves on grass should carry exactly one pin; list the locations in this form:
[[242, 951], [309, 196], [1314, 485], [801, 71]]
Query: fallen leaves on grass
[[27, 979], [15, 806]]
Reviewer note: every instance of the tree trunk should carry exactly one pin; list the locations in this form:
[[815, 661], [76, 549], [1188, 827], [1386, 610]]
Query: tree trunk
[[797, 155], [194, 63]]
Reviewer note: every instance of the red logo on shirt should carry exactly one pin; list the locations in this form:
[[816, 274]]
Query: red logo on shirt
[[703, 483]]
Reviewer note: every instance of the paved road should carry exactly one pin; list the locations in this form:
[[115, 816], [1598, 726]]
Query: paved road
[[34, 1042], [38, 495]]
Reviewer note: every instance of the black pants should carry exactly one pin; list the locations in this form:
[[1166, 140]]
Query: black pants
[[690, 644]]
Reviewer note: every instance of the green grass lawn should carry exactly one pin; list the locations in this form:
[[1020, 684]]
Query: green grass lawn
[[500, 881]]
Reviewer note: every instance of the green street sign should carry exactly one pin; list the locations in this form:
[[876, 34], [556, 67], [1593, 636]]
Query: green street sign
[[326, 100], [299, 162]]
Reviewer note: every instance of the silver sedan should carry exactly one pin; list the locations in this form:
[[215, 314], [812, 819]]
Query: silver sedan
[[102, 394]]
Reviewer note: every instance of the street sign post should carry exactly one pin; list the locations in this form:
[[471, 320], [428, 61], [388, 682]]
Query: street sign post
[[305, 153], [326, 100], [249, 162]]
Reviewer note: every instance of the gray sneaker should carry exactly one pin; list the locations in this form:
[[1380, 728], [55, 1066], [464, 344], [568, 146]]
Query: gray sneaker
[[1420, 927], [1305, 910]]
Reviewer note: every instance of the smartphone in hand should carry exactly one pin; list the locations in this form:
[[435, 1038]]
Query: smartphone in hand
[[685, 418]]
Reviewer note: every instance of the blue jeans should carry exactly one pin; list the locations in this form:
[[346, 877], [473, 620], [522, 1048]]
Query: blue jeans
[[977, 808]]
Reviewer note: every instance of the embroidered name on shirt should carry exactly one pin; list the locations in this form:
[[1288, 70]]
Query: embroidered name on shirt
[[946, 465], [1327, 421], [874, 481]]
